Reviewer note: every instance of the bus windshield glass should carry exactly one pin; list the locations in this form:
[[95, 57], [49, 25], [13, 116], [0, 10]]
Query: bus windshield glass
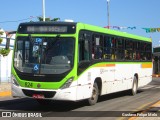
[[44, 55]]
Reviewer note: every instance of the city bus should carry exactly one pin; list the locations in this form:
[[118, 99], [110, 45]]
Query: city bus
[[75, 61]]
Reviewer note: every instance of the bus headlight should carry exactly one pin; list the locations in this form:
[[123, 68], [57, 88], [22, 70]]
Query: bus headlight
[[68, 83], [14, 81]]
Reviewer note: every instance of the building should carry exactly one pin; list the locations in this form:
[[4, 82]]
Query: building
[[156, 60], [5, 61]]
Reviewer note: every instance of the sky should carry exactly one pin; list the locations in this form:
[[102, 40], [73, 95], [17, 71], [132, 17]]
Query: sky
[[123, 13]]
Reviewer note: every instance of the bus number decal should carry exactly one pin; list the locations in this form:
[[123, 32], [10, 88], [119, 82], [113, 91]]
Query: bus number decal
[[28, 84]]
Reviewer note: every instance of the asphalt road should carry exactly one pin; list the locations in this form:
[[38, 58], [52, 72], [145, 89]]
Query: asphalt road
[[109, 105]]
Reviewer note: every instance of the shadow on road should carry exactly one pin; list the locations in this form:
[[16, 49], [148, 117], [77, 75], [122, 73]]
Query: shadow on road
[[27, 104]]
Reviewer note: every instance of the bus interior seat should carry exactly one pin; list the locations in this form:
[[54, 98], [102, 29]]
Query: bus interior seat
[[59, 60]]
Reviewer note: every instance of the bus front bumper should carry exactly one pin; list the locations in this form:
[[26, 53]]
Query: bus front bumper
[[68, 94]]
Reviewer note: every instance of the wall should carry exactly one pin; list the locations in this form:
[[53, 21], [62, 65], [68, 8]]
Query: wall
[[5, 67], [5, 62]]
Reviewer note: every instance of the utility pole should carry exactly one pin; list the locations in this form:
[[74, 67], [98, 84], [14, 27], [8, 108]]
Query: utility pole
[[108, 13], [43, 9]]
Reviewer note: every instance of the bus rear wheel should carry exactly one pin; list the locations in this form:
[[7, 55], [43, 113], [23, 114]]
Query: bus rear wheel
[[95, 93], [134, 86]]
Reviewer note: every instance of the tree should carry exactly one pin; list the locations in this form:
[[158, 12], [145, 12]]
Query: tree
[[1, 33], [48, 19], [3, 51]]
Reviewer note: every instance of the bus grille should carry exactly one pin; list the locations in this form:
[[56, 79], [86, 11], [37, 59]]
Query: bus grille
[[47, 94]]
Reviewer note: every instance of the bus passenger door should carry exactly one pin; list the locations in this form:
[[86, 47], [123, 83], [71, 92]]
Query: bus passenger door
[[83, 90]]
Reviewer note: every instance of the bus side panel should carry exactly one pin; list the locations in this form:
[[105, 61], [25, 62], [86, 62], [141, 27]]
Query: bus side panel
[[123, 75], [86, 81], [145, 75], [108, 79], [114, 78], [84, 86]]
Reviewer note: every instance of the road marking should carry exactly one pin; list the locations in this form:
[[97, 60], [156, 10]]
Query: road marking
[[137, 109], [157, 104], [147, 87], [157, 87]]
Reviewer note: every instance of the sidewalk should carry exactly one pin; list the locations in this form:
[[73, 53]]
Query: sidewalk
[[5, 89], [150, 113]]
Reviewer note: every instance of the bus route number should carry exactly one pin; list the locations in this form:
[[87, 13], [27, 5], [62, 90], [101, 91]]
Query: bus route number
[[28, 84]]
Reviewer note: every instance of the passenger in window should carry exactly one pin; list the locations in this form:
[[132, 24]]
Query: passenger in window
[[148, 57], [127, 56], [144, 58], [138, 57], [107, 53], [93, 56], [134, 56], [98, 53]]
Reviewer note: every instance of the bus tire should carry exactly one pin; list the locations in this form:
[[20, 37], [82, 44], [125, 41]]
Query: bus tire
[[134, 86], [95, 93]]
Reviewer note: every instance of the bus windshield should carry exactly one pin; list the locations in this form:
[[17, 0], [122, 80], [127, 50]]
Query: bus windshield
[[44, 55]]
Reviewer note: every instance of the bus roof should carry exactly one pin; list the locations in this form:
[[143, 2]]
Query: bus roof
[[48, 23], [114, 32], [91, 28]]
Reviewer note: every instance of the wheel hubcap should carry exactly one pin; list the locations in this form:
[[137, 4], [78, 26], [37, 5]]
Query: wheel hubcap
[[94, 94], [134, 86]]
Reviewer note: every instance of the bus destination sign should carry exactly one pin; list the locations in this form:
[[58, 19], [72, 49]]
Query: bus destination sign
[[50, 29], [46, 28]]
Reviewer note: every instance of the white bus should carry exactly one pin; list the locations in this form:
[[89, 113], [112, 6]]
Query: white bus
[[76, 61]]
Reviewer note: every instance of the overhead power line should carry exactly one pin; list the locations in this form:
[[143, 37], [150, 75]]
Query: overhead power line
[[31, 17]]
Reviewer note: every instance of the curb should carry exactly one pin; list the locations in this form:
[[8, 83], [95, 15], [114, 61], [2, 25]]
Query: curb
[[148, 109], [5, 94]]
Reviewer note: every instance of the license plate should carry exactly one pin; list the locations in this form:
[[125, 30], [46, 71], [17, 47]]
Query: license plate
[[38, 96]]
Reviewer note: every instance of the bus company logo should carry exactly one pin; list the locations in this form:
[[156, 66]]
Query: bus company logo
[[38, 85], [6, 114]]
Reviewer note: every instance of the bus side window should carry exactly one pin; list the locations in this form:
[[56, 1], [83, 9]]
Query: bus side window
[[97, 47], [113, 55], [143, 47], [83, 48], [138, 49], [107, 47], [148, 51], [119, 51], [129, 50]]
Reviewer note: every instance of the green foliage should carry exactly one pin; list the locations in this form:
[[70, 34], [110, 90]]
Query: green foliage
[[1, 40], [1, 33], [41, 19], [48, 19], [55, 19], [4, 51]]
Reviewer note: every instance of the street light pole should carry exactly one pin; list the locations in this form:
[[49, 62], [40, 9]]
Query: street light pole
[[43, 9], [108, 13]]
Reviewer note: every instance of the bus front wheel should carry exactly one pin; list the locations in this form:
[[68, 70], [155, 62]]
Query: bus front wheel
[[134, 86], [95, 93]]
